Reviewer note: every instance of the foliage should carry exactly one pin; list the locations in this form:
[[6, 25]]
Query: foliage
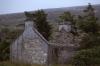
[[87, 57], [40, 19], [68, 17], [90, 41], [89, 53], [28, 16], [88, 22], [7, 37], [8, 63]]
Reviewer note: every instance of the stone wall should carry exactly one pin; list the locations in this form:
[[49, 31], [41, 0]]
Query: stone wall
[[60, 54], [30, 47]]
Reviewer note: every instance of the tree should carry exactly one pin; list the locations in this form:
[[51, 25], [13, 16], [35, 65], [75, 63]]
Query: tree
[[7, 37], [28, 15], [68, 17], [88, 22], [89, 50], [40, 19], [87, 57]]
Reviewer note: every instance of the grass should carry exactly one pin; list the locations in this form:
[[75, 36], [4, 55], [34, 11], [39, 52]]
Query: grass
[[8, 63]]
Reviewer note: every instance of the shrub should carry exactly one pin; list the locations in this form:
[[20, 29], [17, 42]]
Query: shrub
[[87, 57]]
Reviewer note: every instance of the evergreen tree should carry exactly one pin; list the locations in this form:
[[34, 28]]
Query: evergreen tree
[[42, 25], [88, 54], [68, 17], [28, 15], [7, 37], [88, 22]]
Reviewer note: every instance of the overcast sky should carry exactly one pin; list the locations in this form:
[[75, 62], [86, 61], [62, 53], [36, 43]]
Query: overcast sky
[[13, 6]]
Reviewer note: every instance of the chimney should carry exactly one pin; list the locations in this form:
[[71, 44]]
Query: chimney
[[29, 24], [65, 26]]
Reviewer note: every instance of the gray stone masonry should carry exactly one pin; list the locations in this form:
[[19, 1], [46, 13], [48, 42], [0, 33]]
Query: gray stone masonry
[[30, 47]]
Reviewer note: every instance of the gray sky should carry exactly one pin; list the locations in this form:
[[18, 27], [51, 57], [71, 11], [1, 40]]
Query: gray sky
[[13, 6]]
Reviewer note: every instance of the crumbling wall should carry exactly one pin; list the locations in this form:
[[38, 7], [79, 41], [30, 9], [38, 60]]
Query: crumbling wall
[[60, 54], [30, 47]]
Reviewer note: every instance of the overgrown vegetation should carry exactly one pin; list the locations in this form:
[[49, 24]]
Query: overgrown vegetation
[[69, 18], [89, 50], [7, 37], [87, 57], [88, 53], [87, 26], [7, 63], [40, 20]]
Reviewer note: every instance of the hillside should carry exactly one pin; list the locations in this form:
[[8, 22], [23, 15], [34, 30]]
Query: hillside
[[53, 15]]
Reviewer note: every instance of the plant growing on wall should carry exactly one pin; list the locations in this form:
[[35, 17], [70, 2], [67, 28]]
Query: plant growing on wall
[[68, 17], [41, 23]]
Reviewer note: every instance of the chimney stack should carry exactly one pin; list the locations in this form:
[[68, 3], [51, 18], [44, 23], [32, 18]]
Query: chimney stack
[[29, 24], [65, 26]]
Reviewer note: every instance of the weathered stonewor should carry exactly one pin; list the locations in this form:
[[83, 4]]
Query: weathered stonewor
[[30, 47], [62, 46]]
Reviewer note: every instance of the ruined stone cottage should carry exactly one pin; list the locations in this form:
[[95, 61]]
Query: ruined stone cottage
[[62, 47], [31, 47]]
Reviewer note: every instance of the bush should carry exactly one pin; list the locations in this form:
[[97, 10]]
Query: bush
[[7, 37], [87, 57], [8, 63], [89, 41]]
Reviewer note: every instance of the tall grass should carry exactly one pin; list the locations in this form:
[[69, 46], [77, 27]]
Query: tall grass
[[8, 63]]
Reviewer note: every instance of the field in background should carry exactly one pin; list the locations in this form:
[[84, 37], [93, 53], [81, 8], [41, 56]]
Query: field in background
[[53, 15]]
